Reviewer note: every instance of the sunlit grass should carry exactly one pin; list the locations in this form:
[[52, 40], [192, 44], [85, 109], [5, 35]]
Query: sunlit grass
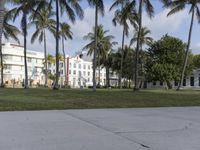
[[47, 99]]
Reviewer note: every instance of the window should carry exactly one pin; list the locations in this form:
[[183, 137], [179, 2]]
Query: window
[[79, 73], [69, 71], [7, 57], [74, 65], [74, 72], [176, 83], [161, 83], [70, 64], [199, 81], [61, 72], [88, 79], [7, 67], [29, 59], [79, 66], [191, 81], [84, 73], [30, 69], [184, 82], [89, 67], [61, 65], [88, 73], [154, 83], [84, 66]]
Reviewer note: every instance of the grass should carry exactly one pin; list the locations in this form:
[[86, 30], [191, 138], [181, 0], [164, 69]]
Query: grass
[[47, 99]]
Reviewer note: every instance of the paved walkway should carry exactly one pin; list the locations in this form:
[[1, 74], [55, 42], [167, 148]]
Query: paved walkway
[[103, 129]]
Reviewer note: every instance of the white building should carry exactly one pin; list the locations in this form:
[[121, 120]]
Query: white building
[[79, 72], [191, 81], [13, 58]]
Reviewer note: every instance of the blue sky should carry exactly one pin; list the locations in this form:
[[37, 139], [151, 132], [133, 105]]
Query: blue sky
[[176, 25]]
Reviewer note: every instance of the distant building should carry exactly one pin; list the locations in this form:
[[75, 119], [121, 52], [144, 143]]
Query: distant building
[[79, 71], [13, 58], [191, 81]]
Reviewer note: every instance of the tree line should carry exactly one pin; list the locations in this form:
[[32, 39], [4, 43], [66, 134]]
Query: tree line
[[45, 15]]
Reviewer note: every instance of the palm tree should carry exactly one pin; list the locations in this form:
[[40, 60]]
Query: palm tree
[[177, 6], [150, 11], [1, 30], [50, 59], [72, 9], [99, 8], [103, 45], [144, 39], [126, 12], [65, 34], [43, 22], [9, 31], [26, 7]]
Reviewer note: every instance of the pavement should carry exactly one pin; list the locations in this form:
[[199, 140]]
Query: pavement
[[102, 129]]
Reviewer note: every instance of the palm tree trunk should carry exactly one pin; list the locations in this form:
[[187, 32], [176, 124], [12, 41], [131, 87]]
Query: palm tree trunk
[[95, 49], [1, 55], [141, 68], [25, 47], [99, 79], [65, 70], [45, 57], [1, 30], [187, 51], [57, 46], [138, 47], [107, 77], [122, 59]]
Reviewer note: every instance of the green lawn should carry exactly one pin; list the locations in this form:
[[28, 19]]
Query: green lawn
[[46, 99]]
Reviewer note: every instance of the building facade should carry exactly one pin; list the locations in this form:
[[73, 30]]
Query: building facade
[[13, 59], [79, 72], [191, 81]]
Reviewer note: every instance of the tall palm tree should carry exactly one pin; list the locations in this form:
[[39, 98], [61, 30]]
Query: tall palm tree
[[26, 7], [72, 9], [144, 39], [65, 33], [103, 46], [1, 30], [150, 11], [43, 22], [99, 8], [177, 6], [124, 14], [9, 31]]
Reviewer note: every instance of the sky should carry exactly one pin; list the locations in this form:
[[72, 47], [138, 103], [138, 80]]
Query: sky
[[176, 25]]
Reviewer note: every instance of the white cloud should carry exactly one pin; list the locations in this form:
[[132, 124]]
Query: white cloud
[[161, 24]]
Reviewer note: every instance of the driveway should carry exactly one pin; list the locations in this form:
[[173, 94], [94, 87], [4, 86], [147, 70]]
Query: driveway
[[102, 129]]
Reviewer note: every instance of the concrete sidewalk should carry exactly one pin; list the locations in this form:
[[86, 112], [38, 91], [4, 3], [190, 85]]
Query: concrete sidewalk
[[102, 129]]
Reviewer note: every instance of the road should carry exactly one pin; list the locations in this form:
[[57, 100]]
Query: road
[[102, 129]]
